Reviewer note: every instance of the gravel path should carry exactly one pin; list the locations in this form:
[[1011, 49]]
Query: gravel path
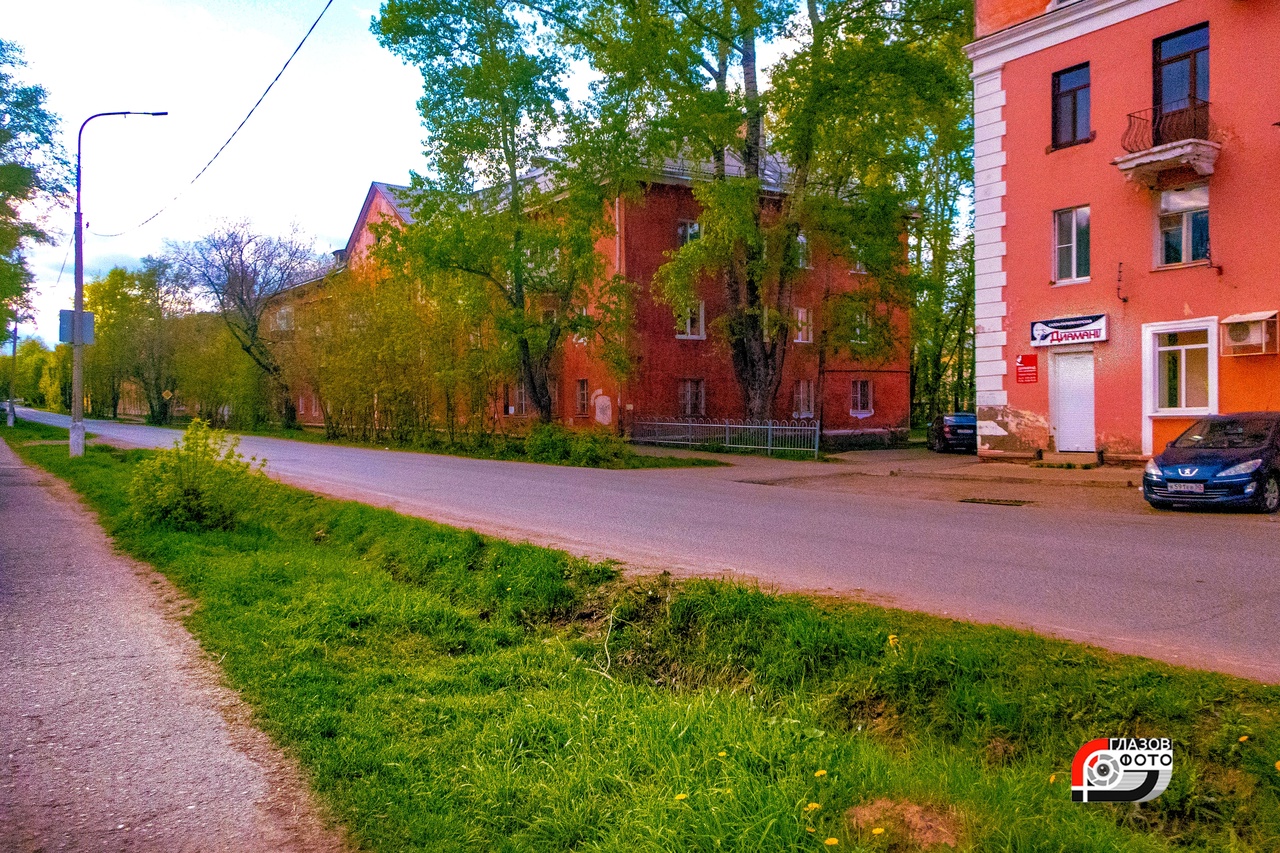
[[114, 729]]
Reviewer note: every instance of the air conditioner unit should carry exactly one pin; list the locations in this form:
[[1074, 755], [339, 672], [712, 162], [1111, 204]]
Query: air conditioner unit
[[1249, 334], [1245, 334]]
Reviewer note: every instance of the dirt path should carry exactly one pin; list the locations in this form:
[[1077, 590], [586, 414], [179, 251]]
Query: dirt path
[[115, 733]]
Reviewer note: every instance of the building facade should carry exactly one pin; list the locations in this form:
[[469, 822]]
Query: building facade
[[1127, 168], [681, 369]]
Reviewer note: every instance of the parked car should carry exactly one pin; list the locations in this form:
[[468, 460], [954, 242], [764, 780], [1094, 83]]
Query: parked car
[[1225, 460], [956, 431]]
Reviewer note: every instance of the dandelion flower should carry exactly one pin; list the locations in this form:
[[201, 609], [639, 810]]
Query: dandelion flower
[[1053, 778], [831, 842], [1278, 765], [682, 796], [1243, 738], [819, 774], [879, 830], [810, 829], [722, 753], [813, 807], [893, 639]]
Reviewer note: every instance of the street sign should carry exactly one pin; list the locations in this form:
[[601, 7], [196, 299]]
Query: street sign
[[64, 326]]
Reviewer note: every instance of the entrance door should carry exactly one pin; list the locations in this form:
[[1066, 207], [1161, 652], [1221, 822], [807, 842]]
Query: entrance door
[[1072, 402]]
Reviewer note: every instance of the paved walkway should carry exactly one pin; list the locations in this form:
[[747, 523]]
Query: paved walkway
[[114, 731]]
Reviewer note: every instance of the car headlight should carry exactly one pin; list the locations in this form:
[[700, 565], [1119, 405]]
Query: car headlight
[[1153, 470], [1243, 468]]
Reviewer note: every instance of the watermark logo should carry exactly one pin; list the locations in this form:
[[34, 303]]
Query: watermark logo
[[1121, 770]]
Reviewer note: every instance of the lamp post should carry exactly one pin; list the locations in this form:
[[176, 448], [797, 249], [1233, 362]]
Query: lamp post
[[13, 368], [77, 317]]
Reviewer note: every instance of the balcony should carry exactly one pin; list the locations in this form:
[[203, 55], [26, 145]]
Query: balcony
[[1169, 137]]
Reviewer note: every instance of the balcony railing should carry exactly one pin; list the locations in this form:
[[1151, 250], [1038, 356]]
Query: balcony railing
[[1173, 122]]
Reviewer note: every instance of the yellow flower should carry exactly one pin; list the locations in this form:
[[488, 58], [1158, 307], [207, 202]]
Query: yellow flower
[[813, 807], [893, 639], [1053, 778], [1243, 738], [722, 753], [810, 829], [831, 842], [879, 830], [1278, 765], [820, 773], [682, 796]]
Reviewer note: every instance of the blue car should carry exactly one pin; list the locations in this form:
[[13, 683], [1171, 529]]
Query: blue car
[[1222, 460]]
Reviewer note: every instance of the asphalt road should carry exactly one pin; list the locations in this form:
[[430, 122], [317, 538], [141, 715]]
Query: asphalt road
[[1199, 589]]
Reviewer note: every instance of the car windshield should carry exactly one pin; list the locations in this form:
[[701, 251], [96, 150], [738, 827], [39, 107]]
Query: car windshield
[[1224, 434]]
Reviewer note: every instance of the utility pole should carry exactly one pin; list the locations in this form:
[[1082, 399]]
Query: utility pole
[[77, 317], [13, 367]]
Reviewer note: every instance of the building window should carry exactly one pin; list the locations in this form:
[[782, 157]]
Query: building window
[[1071, 244], [1184, 225], [584, 397], [687, 231], [858, 324], [693, 399], [1181, 70], [1182, 365], [860, 402], [802, 398], [519, 405], [691, 325], [804, 326], [284, 318], [1071, 106], [803, 260]]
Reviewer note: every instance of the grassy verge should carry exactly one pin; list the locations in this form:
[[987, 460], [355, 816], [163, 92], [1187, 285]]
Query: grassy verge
[[451, 692]]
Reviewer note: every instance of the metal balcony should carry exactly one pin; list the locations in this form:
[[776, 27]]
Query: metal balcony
[[1169, 137], [1185, 119]]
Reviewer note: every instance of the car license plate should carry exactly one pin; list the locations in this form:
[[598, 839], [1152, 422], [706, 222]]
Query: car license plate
[[1197, 488]]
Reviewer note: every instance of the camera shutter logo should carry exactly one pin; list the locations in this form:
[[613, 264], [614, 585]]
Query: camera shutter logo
[[1121, 770]]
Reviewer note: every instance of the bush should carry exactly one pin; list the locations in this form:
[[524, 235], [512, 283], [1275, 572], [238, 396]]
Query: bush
[[202, 483], [548, 443], [598, 448]]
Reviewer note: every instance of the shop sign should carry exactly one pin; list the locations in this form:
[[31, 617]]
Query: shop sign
[[1027, 368], [1069, 330]]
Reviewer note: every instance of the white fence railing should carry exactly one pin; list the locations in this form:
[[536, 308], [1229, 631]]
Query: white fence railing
[[799, 435]]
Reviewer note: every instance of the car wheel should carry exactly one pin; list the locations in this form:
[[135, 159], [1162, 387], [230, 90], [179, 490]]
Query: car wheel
[[1269, 494]]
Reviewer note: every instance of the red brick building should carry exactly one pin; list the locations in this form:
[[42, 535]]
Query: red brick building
[[1125, 176], [682, 370]]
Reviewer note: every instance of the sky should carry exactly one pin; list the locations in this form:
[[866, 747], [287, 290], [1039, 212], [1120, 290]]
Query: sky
[[344, 114]]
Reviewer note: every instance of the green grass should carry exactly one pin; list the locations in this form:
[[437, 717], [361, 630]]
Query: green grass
[[447, 691]]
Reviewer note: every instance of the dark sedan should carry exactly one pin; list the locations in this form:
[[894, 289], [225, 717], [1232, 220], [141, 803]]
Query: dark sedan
[[956, 431], [1222, 460]]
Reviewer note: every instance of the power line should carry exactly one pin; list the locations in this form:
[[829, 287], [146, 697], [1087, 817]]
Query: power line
[[233, 133]]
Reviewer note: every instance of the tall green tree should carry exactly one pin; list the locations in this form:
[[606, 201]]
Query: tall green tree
[[33, 169], [111, 359], [500, 202]]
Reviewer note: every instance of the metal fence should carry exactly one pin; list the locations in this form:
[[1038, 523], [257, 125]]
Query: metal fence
[[793, 436]]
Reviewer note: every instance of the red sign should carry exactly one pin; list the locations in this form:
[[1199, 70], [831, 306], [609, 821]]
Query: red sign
[[1027, 368]]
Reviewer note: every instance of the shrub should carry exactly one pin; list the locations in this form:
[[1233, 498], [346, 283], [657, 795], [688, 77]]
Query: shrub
[[548, 443], [202, 483], [598, 448]]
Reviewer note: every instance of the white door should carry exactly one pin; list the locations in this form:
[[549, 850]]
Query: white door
[[1072, 402]]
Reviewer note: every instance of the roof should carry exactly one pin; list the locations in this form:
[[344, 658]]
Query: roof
[[393, 194]]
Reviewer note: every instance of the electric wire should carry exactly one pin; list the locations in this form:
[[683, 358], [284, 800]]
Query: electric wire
[[273, 82]]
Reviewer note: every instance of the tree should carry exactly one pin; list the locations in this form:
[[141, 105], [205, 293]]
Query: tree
[[821, 159], [241, 271], [501, 204], [32, 168], [110, 360]]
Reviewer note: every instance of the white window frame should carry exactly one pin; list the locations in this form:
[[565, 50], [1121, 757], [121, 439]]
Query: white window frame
[[689, 407], [520, 399], [803, 259], [582, 398], [1075, 245], [804, 326], [284, 318], [1150, 366], [690, 332], [1186, 215], [687, 230], [802, 398], [869, 402]]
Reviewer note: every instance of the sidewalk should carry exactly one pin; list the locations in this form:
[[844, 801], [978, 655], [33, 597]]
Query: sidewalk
[[114, 731], [920, 462]]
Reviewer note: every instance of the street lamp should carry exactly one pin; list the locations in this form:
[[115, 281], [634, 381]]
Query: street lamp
[[77, 316]]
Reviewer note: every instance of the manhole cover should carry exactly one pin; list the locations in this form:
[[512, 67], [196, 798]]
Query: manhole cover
[[995, 501]]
